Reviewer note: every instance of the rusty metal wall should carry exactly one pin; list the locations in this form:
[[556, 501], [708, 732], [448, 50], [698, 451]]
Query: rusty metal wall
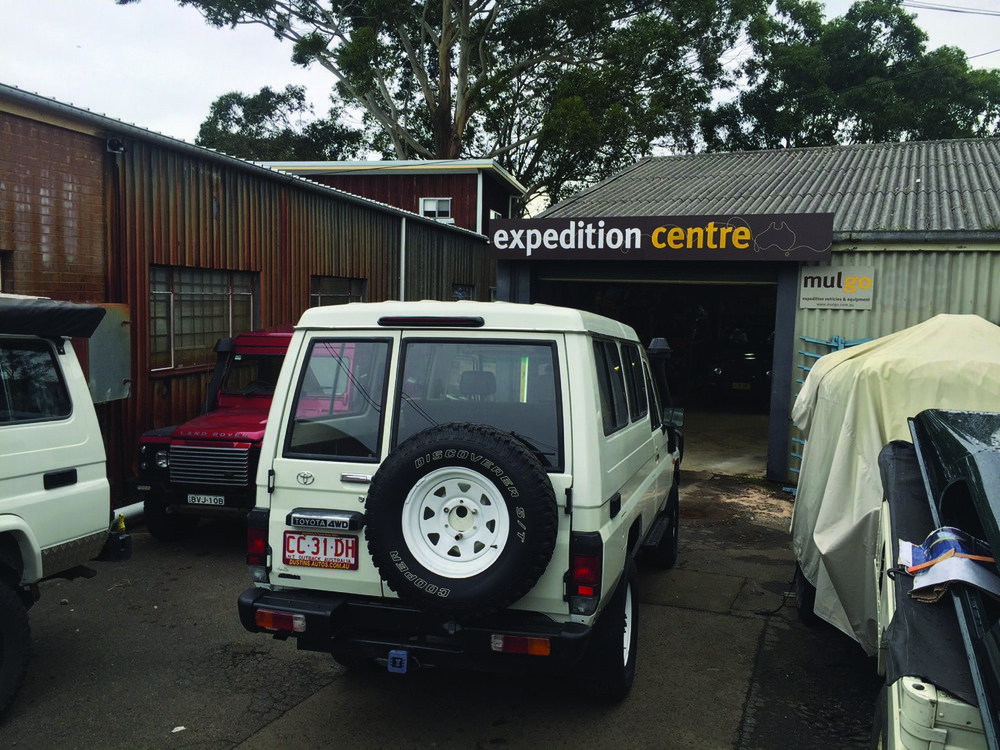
[[171, 208], [86, 218], [51, 211], [405, 190], [435, 261]]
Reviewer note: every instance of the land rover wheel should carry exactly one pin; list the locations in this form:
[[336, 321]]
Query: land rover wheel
[[15, 645], [461, 520], [607, 669], [166, 526]]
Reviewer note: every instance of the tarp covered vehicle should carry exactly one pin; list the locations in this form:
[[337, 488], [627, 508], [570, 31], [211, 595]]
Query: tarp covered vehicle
[[853, 403]]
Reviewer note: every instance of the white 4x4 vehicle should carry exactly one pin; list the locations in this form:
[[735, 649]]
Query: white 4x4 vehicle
[[463, 484], [55, 500]]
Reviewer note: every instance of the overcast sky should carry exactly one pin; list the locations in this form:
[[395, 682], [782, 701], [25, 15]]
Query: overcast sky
[[160, 66]]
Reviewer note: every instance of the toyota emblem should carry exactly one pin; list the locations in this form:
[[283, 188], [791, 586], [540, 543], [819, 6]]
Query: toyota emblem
[[305, 478]]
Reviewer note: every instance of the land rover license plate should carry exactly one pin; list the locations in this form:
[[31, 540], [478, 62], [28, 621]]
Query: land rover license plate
[[335, 551], [206, 500]]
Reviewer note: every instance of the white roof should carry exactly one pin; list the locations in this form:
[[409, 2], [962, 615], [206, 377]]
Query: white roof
[[496, 316]]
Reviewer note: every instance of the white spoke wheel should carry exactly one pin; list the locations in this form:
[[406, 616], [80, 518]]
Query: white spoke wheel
[[461, 520], [455, 521]]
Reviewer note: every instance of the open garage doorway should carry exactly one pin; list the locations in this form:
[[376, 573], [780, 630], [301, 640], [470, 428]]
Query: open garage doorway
[[722, 337]]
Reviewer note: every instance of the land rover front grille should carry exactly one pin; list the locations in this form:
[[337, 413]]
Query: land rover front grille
[[219, 466]]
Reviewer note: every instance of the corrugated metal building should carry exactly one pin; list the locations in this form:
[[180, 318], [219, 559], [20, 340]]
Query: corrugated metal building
[[465, 192], [191, 245], [916, 224]]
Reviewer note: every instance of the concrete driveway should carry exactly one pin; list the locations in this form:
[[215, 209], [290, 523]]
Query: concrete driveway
[[150, 654]]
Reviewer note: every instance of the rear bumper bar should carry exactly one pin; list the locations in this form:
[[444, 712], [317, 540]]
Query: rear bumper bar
[[371, 628]]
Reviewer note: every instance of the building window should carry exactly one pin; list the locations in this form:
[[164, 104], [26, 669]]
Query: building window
[[463, 291], [436, 208], [333, 290], [192, 308]]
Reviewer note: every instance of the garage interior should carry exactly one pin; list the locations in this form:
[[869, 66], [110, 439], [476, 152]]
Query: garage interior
[[721, 333]]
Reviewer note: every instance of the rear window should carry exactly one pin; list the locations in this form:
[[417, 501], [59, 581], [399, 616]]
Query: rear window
[[339, 401], [510, 385], [32, 388]]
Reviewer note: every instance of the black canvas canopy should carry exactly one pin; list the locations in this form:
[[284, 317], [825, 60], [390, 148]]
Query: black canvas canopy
[[48, 318]]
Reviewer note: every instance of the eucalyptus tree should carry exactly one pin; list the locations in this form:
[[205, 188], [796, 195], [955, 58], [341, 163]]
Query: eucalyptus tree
[[559, 92]]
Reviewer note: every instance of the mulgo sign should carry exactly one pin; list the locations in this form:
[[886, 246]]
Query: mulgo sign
[[726, 237]]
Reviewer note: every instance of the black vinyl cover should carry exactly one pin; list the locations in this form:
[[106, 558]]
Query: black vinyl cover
[[48, 318], [924, 640]]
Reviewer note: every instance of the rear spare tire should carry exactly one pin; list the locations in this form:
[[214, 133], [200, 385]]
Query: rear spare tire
[[461, 520]]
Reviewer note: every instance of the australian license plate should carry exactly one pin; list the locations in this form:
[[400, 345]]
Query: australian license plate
[[741, 386], [206, 500], [335, 551]]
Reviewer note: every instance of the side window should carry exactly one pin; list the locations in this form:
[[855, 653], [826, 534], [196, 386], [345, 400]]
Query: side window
[[340, 401], [31, 384], [611, 386], [635, 382]]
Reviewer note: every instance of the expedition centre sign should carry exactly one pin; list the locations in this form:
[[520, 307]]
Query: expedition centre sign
[[736, 237]]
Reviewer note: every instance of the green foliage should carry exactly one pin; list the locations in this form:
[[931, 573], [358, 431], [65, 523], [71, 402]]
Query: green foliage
[[276, 126], [564, 93], [866, 77], [561, 93]]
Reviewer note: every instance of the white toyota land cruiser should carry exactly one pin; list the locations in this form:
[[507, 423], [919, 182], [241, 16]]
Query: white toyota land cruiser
[[463, 484]]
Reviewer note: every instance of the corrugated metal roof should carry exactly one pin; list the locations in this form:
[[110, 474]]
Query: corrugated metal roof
[[892, 188]]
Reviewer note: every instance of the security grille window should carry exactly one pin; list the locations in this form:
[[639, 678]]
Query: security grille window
[[436, 208], [31, 384], [333, 290], [192, 308]]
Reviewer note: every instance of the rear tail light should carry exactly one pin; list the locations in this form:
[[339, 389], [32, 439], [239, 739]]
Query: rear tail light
[[520, 644], [271, 619], [258, 552], [583, 579]]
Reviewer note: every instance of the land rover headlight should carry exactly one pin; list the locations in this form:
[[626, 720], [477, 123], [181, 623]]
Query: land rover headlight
[[162, 459]]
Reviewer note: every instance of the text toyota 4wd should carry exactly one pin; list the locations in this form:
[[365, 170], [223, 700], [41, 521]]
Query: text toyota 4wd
[[463, 484]]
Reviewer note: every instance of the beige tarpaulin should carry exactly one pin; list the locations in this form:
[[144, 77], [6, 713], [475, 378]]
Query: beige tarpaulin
[[853, 402]]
